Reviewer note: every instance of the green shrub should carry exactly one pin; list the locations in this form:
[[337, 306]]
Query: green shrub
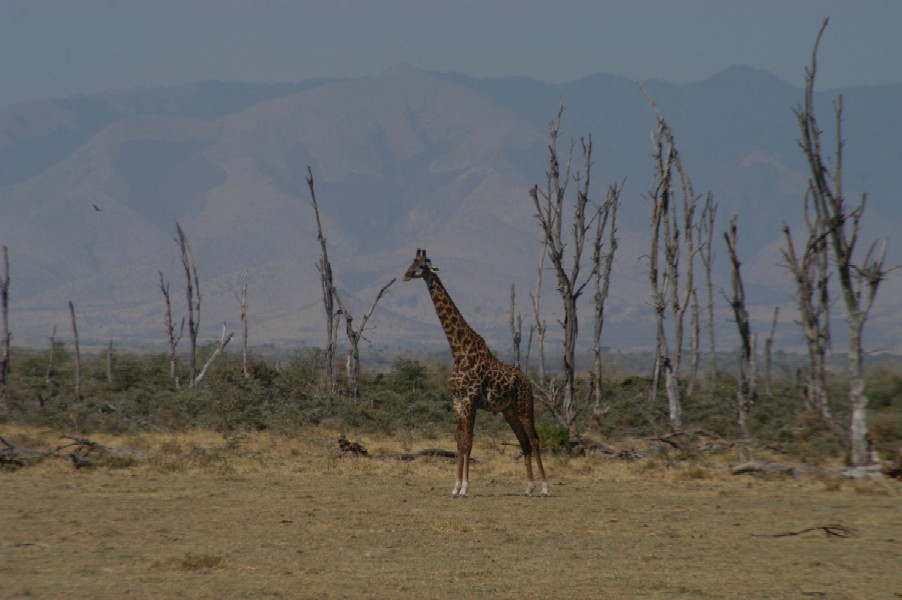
[[553, 437]]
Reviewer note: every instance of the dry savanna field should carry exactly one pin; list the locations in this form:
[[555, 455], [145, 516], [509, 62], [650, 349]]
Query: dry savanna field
[[266, 515]]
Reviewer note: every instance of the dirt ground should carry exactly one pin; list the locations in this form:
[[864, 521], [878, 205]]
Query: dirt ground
[[266, 516]]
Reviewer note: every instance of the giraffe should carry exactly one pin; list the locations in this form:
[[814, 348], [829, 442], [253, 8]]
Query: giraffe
[[478, 380]]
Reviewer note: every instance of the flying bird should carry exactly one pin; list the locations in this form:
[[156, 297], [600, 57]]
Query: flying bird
[[97, 208]]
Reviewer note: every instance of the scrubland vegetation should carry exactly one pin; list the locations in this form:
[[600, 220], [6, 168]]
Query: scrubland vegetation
[[135, 395]]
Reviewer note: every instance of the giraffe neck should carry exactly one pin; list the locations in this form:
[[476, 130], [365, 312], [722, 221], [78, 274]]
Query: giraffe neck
[[461, 337]]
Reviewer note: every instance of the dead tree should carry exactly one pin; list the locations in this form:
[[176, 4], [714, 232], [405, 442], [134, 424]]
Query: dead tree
[[604, 262], [768, 352], [223, 342], [355, 335], [810, 272], [706, 253], [173, 338], [325, 272], [540, 325], [242, 301], [109, 362], [516, 324], [549, 204], [192, 292], [77, 352], [51, 372], [859, 278], [747, 391], [4, 315], [668, 220]]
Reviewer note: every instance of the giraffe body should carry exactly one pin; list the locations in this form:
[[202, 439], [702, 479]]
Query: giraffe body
[[478, 380]]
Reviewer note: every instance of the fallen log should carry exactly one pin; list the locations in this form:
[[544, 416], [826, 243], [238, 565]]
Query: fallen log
[[351, 449], [833, 530], [18, 456], [766, 467]]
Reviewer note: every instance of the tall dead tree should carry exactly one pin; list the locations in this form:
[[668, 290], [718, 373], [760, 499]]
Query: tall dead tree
[[706, 253], [566, 252], [109, 362], [325, 273], [673, 226], [192, 293], [173, 338], [811, 275], [859, 278], [51, 371], [768, 352], [516, 324], [77, 352], [747, 391], [540, 325], [355, 335], [242, 301], [603, 258], [4, 319]]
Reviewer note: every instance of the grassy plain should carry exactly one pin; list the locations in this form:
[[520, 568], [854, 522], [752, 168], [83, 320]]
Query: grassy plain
[[270, 516]]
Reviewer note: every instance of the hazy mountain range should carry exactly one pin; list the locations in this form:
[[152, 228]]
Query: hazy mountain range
[[89, 186]]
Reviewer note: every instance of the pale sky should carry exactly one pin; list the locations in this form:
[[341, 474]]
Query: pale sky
[[55, 48]]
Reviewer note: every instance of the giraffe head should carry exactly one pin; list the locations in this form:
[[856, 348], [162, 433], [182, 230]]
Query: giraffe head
[[420, 267]]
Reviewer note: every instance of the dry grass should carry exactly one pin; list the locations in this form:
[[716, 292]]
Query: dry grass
[[266, 516]]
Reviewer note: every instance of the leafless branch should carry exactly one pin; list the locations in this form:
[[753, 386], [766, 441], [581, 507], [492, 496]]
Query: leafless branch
[[223, 342], [833, 530], [325, 271]]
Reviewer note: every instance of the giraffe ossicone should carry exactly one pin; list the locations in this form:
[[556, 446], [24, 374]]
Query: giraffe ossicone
[[478, 380]]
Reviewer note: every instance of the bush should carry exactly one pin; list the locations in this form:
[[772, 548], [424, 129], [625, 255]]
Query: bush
[[553, 437], [411, 399]]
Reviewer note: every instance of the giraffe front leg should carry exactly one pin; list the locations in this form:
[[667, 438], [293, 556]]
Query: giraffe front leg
[[465, 413], [462, 483]]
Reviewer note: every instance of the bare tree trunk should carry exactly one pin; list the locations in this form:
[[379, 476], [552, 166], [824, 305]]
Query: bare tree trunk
[[192, 292], [657, 294], [602, 277], [708, 219], [768, 352], [51, 373], [540, 325], [77, 353], [571, 283], [681, 298], [747, 366], [516, 325], [858, 282], [4, 315], [242, 300], [354, 336], [172, 338], [109, 362], [810, 270], [666, 288], [325, 271], [223, 342], [694, 328]]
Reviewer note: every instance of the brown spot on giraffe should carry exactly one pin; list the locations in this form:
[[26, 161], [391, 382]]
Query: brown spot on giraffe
[[478, 380]]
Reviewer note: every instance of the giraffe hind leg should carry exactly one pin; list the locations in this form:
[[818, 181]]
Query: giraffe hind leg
[[516, 424], [534, 442]]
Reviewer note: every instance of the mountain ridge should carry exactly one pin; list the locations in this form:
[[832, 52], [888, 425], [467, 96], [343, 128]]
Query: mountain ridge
[[402, 160]]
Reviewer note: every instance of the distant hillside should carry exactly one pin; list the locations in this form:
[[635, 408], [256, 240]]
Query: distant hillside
[[403, 160]]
